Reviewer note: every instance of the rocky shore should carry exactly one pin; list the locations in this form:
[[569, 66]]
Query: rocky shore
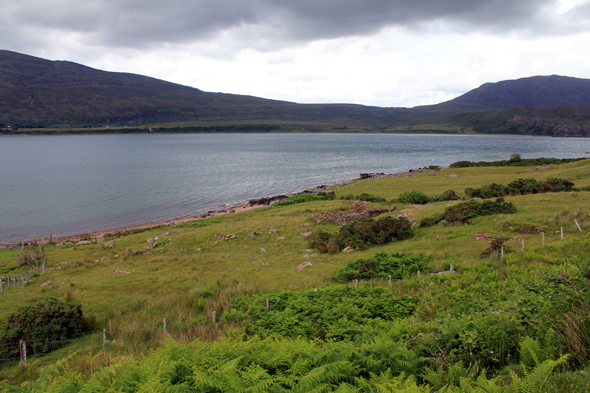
[[251, 204]]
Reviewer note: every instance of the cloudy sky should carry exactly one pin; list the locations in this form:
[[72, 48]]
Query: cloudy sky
[[373, 52]]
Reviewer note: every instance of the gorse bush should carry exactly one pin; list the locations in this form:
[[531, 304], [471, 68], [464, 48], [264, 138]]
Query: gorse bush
[[301, 198], [464, 212], [382, 265], [414, 197], [43, 325], [361, 234], [520, 187], [516, 160], [330, 195], [363, 197]]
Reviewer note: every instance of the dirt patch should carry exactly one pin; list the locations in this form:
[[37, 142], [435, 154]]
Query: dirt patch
[[356, 211]]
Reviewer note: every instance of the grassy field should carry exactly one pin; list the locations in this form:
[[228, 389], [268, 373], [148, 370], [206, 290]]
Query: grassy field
[[189, 274]]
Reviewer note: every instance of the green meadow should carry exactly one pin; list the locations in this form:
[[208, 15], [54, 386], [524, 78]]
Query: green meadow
[[517, 322]]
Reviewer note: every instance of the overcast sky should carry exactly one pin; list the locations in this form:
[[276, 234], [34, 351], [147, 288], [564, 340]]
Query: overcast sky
[[372, 52]]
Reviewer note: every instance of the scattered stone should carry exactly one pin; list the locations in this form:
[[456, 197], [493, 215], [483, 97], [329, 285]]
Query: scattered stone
[[121, 271], [432, 173], [226, 237], [47, 284], [83, 243], [167, 234], [99, 246], [306, 234], [348, 250], [265, 264], [306, 224], [157, 238], [262, 249], [453, 176], [280, 238], [357, 210], [272, 230], [95, 254], [110, 244], [304, 265], [199, 249], [127, 250], [243, 229], [309, 249], [150, 240], [251, 234]]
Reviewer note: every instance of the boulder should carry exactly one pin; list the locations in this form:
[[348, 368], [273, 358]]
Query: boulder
[[304, 265], [110, 244], [47, 284]]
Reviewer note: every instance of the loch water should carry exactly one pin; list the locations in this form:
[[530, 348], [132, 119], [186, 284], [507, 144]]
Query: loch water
[[64, 185]]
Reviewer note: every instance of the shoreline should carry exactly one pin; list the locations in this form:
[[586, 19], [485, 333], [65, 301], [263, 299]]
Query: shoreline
[[238, 208]]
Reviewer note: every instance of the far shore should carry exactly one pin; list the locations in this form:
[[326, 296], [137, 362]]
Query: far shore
[[97, 235]]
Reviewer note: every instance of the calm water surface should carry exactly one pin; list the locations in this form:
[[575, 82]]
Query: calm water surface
[[64, 185]]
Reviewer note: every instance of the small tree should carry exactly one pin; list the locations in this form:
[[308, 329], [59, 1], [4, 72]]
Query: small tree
[[515, 158]]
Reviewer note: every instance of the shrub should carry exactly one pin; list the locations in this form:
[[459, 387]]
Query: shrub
[[414, 197], [450, 195], [465, 211], [556, 185], [330, 195], [363, 197], [520, 187], [301, 198], [382, 265], [362, 233], [429, 221], [43, 325], [523, 187]]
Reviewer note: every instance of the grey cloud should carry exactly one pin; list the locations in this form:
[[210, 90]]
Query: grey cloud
[[143, 23]]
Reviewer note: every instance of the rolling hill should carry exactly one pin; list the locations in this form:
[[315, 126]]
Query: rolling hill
[[35, 92]]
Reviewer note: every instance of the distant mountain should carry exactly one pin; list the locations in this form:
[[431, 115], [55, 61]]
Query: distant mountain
[[38, 92], [561, 121]]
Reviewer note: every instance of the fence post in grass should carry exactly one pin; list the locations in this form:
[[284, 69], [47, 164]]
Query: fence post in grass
[[543, 236], [315, 289], [23, 355], [452, 270], [268, 303], [215, 317], [502, 254], [561, 233], [165, 326], [1, 281], [576, 221], [418, 274], [389, 279], [104, 339], [356, 283], [522, 245]]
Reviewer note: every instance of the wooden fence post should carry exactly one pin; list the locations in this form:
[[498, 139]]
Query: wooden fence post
[[268, 303], [356, 283], [104, 339], [561, 233], [543, 236], [389, 280], [215, 317], [23, 355], [576, 221], [165, 327], [452, 270], [502, 254], [522, 245]]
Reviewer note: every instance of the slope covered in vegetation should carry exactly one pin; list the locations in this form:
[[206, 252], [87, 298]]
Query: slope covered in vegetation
[[348, 321]]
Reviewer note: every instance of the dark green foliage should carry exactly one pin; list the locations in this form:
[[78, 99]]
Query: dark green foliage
[[382, 265], [330, 195], [43, 325], [520, 187], [363, 197], [337, 312], [450, 195], [414, 197], [522, 162], [361, 234], [301, 198], [465, 211]]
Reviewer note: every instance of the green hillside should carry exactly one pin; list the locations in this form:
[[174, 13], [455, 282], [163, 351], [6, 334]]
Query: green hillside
[[511, 323]]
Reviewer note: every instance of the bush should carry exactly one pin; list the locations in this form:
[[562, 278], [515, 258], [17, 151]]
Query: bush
[[382, 265], [43, 325], [465, 211], [330, 195], [363, 197], [414, 197], [301, 198], [361, 234], [520, 187], [450, 195]]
